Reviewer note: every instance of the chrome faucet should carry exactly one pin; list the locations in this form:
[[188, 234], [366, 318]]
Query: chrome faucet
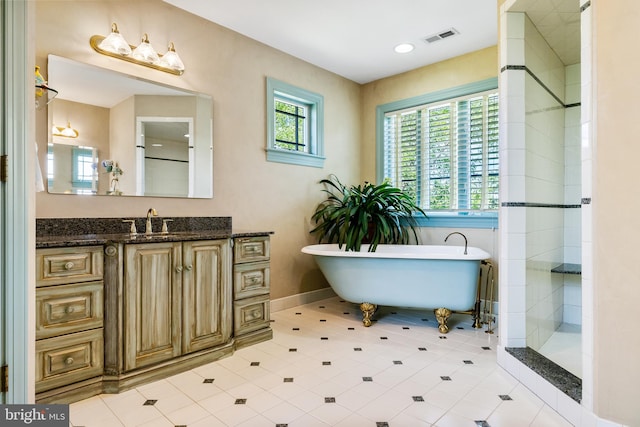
[[465, 239], [149, 229]]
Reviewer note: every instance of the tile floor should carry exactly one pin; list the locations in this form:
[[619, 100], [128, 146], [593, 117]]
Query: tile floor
[[323, 368]]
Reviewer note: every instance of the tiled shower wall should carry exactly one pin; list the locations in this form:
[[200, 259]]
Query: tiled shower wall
[[544, 185]]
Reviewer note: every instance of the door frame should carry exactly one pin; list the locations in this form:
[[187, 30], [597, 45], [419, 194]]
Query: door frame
[[17, 201]]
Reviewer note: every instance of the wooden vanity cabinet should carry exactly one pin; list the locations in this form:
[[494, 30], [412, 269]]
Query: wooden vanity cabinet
[[177, 299], [113, 317], [251, 288], [69, 321]]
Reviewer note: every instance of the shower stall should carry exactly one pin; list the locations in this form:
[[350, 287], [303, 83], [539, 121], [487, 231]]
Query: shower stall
[[541, 180]]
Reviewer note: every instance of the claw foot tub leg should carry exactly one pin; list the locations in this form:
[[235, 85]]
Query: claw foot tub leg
[[442, 315], [367, 312]]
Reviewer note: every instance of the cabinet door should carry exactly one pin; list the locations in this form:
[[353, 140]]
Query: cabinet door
[[207, 306], [152, 303]]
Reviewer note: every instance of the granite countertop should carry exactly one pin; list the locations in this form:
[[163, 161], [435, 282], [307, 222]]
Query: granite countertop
[[69, 232], [567, 268]]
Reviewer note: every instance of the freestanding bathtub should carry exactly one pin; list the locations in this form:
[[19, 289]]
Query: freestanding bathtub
[[442, 278]]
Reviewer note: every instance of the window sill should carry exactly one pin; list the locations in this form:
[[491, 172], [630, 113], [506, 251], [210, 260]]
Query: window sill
[[459, 219], [295, 158]]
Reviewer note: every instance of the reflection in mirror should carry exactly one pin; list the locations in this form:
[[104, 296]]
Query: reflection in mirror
[[131, 122], [164, 154], [72, 169]]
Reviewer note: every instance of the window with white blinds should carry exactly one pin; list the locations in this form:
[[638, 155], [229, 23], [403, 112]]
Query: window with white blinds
[[445, 153]]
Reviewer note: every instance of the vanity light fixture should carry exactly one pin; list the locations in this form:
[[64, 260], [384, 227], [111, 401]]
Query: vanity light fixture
[[116, 46], [65, 132]]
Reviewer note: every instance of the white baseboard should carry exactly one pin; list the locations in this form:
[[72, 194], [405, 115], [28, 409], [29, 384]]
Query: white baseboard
[[300, 299]]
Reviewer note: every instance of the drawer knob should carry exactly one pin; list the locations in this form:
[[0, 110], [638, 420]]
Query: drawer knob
[[68, 309], [68, 361], [68, 266]]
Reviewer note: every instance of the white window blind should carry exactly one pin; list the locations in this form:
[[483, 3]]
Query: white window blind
[[445, 154]]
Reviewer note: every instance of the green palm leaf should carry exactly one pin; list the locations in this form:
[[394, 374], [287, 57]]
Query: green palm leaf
[[365, 213]]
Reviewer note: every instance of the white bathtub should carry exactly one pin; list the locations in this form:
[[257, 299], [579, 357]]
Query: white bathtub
[[442, 278]]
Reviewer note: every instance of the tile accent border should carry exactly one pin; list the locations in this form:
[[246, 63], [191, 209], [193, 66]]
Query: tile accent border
[[540, 82]]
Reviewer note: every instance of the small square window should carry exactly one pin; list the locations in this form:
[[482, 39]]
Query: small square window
[[295, 125]]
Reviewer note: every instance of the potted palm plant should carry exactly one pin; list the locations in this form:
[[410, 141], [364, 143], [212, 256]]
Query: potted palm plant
[[366, 213]]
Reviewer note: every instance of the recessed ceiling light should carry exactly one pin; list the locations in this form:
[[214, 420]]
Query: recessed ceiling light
[[404, 48]]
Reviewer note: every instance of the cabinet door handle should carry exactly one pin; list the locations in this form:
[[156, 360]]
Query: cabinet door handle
[[68, 266], [189, 267], [68, 361], [179, 269]]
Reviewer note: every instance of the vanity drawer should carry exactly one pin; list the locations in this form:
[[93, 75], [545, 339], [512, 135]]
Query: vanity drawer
[[251, 314], [68, 358], [251, 249], [68, 308], [250, 279], [68, 265]]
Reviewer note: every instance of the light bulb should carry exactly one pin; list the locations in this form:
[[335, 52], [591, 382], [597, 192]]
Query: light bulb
[[115, 43], [145, 52], [171, 59]]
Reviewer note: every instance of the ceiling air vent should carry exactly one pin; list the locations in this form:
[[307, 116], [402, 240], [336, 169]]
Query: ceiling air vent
[[441, 35]]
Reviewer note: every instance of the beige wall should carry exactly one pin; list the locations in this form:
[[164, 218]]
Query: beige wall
[[259, 195], [615, 210]]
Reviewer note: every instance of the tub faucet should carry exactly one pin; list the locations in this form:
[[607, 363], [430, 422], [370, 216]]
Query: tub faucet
[[149, 229], [465, 239]]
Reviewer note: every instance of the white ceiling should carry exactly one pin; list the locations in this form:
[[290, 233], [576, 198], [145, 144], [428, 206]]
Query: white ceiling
[[356, 43], [559, 23], [356, 38]]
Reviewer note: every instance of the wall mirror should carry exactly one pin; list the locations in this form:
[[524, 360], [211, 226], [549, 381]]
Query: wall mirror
[[135, 137]]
